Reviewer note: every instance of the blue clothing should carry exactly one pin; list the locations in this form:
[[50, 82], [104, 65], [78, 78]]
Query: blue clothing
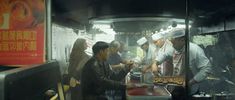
[[114, 59]]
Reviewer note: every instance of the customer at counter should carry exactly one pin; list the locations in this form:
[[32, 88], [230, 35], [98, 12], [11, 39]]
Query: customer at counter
[[199, 64], [117, 64], [97, 77], [114, 59], [164, 55]]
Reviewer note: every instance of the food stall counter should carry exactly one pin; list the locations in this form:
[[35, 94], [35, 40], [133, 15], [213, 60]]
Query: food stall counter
[[144, 91]]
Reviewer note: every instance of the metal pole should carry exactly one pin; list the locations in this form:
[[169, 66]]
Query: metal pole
[[187, 49], [48, 33]]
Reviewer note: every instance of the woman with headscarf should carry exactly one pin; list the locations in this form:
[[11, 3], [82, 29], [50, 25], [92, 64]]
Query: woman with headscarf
[[77, 60]]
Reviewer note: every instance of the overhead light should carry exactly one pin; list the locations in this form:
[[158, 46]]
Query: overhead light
[[101, 26], [182, 26], [108, 31], [106, 28], [169, 27]]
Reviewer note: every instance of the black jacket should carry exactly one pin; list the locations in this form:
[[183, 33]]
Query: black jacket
[[97, 77]]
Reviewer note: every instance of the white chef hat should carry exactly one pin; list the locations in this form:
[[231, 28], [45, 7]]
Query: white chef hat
[[157, 36], [176, 33], [142, 41]]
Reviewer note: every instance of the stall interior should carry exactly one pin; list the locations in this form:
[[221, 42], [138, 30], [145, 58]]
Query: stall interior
[[212, 30]]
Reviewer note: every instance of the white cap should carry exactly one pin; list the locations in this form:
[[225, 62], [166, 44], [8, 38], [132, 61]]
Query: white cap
[[176, 33], [142, 41], [157, 36]]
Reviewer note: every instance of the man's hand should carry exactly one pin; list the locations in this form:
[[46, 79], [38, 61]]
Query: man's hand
[[128, 62], [130, 85], [122, 65]]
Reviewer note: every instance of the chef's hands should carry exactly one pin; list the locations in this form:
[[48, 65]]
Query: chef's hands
[[146, 68], [154, 69]]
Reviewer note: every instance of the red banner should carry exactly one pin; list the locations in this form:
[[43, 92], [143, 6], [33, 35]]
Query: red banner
[[22, 32]]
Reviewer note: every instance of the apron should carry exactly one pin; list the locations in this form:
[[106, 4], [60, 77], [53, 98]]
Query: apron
[[179, 69], [178, 63], [166, 68]]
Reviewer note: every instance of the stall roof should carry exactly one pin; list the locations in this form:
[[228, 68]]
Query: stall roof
[[76, 13]]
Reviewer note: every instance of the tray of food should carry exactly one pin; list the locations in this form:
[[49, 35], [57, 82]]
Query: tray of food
[[170, 80]]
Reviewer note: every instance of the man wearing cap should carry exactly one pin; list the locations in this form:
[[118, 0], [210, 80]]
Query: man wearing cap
[[150, 51], [164, 55]]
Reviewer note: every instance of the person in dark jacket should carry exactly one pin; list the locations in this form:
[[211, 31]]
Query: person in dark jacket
[[97, 76]]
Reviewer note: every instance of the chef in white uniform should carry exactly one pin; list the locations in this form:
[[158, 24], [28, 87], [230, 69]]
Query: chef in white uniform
[[149, 51], [149, 55], [199, 64], [164, 55]]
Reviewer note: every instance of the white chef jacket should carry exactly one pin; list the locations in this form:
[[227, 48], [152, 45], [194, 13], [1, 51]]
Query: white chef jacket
[[199, 64], [150, 54], [165, 53]]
